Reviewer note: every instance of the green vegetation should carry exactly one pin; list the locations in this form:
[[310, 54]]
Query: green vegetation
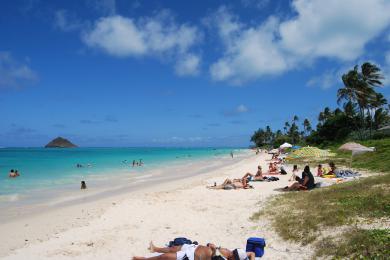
[[299, 216], [302, 216], [362, 112], [375, 161], [357, 243]]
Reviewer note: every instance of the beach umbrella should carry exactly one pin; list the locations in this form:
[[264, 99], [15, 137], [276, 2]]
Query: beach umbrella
[[384, 128], [286, 145], [355, 148], [310, 152]]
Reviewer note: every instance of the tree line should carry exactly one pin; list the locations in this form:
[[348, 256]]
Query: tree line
[[360, 113]]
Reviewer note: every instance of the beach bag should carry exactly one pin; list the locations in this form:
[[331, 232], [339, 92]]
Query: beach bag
[[256, 245], [179, 241]]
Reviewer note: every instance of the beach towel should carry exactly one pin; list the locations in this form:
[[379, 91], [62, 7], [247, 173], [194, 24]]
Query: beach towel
[[346, 174]]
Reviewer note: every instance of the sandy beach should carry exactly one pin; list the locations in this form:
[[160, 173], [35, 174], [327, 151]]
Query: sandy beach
[[121, 226]]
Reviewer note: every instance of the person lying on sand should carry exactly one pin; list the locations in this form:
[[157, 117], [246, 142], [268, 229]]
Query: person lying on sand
[[236, 254], [254, 177], [234, 184], [189, 252], [306, 183], [273, 168]]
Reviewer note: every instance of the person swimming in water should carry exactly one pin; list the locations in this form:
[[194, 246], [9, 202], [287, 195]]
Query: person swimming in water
[[13, 173]]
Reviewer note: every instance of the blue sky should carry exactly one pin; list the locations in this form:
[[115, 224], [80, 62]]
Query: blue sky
[[175, 73]]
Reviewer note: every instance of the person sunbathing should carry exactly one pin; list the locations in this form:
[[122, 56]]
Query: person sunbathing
[[236, 254], [254, 177], [273, 169], [304, 183], [234, 184], [186, 251]]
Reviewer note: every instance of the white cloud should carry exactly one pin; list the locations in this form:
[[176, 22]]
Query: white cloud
[[324, 81], [242, 109], [333, 28], [116, 35], [65, 22], [157, 36], [386, 70], [250, 53], [15, 74], [321, 29], [188, 65]]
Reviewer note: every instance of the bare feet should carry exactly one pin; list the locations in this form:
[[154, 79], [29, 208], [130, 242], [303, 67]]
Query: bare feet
[[151, 247]]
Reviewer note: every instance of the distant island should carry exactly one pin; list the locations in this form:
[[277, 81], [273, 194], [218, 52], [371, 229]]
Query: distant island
[[60, 142]]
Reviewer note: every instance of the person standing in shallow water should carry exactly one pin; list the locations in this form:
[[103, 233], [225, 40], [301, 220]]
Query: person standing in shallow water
[[231, 154]]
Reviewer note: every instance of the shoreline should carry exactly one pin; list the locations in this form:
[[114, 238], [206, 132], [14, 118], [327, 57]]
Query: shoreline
[[108, 185]]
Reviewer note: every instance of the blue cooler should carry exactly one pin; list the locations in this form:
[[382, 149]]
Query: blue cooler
[[256, 245]]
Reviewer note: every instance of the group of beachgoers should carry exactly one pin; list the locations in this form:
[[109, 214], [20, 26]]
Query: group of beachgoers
[[135, 163], [196, 252], [276, 167], [13, 173]]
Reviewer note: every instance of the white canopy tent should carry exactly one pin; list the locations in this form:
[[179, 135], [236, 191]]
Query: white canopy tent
[[286, 145]]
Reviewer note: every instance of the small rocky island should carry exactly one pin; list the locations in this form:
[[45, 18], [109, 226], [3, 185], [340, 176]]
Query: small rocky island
[[60, 142]]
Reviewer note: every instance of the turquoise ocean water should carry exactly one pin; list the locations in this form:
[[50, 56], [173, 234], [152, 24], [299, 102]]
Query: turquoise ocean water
[[42, 169]]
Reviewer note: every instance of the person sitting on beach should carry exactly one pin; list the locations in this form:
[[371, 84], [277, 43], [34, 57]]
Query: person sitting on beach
[[319, 171], [294, 173], [304, 183], [254, 177], [234, 184], [183, 252], [13, 173], [332, 169], [273, 168], [330, 172]]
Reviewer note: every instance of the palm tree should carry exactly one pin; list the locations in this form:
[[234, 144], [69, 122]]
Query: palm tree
[[307, 126], [327, 113], [321, 117], [371, 75], [349, 109], [376, 103], [359, 88], [286, 127]]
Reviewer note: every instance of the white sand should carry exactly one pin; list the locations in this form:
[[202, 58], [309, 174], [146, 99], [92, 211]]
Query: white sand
[[120, 227]]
